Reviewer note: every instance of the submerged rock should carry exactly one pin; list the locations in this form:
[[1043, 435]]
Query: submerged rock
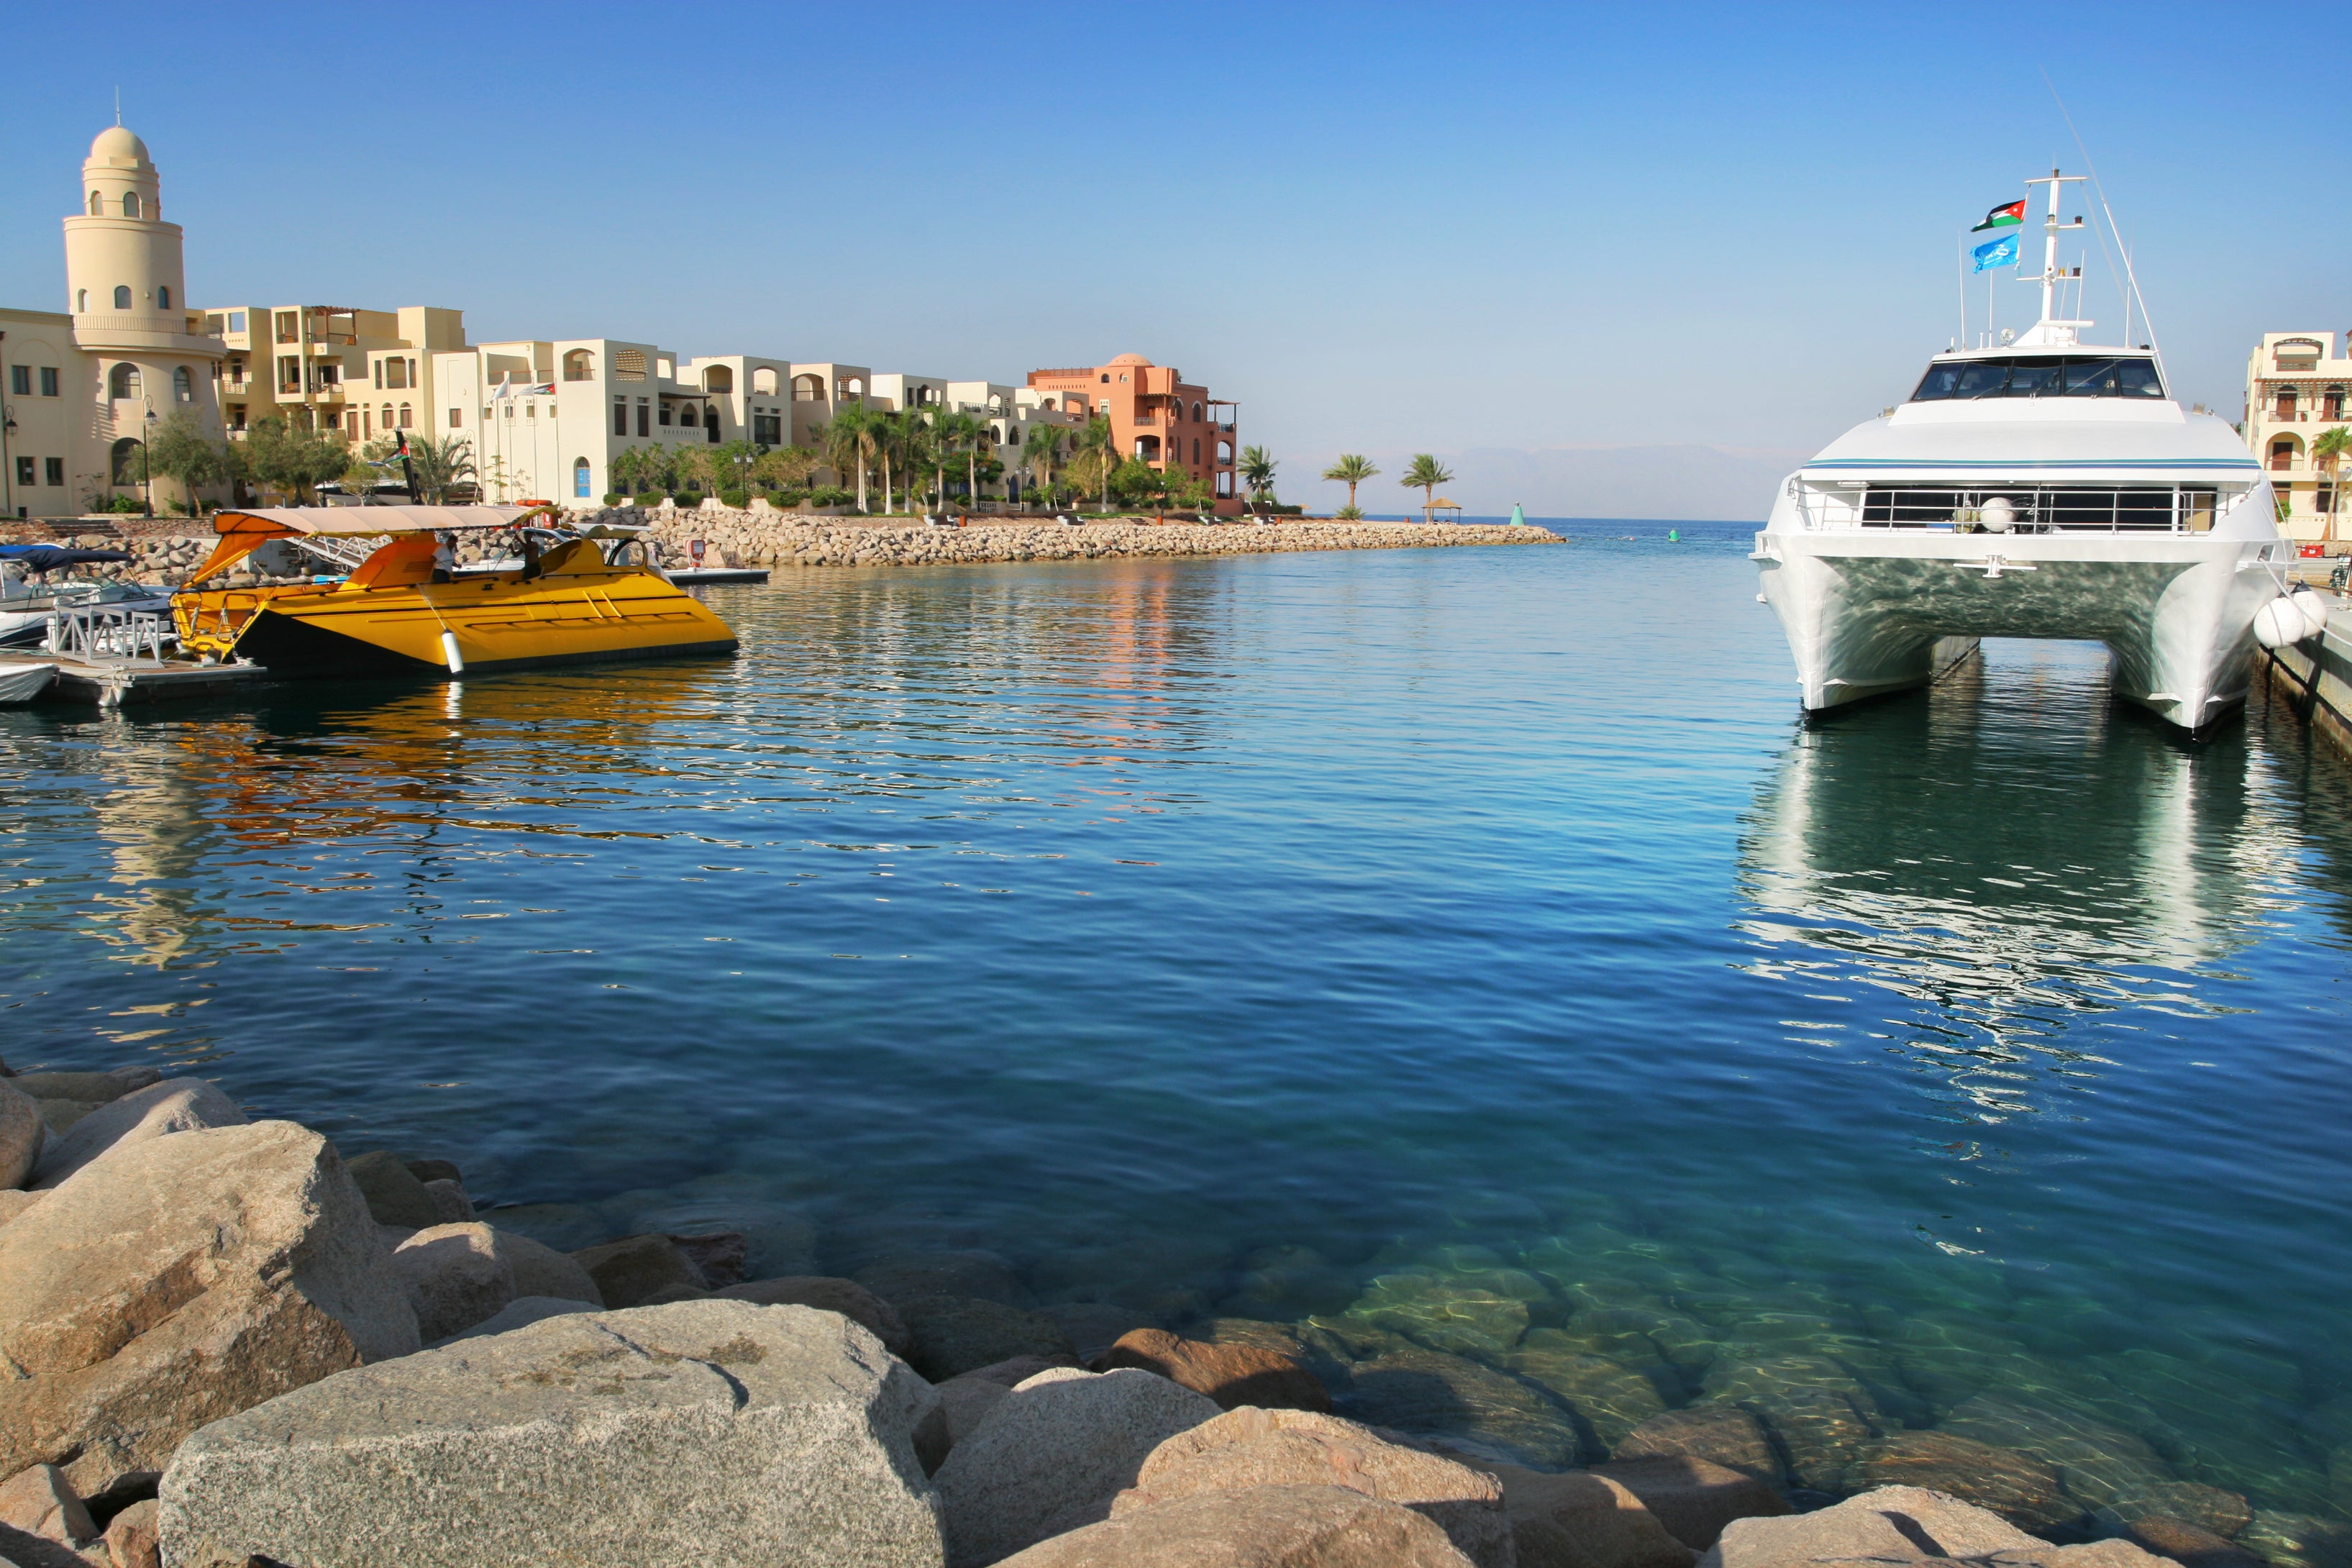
[[180, 1281], [1482, 1313], [1094, 1326], [663, 1437], [1264, 1527], [951, 1335], [2018, 1487], [1722, 1434], [1231, 1374], [2191, 1545], [1608, 1401], [1424, 1391], [174, 1105], [2100, 1465], [970, 1273], [1820, 1415], [1050, 1457], [1257, 1447]]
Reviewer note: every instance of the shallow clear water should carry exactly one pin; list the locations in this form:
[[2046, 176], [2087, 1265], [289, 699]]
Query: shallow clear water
[[1469, 945]]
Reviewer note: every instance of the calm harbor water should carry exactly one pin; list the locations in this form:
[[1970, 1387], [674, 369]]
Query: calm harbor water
[[1467, 945]]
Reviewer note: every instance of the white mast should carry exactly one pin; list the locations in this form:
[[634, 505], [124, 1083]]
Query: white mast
[[2050, 330]]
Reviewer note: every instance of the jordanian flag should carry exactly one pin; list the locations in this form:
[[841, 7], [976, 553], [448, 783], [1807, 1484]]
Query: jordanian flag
[[2002, 216]]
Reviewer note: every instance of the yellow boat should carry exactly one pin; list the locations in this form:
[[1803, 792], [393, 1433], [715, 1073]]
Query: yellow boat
[[397, 613]]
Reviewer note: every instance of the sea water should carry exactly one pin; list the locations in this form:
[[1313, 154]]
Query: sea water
[[1468, 954]]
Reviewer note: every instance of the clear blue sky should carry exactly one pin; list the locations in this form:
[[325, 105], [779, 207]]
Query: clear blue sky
[[1378, 227]]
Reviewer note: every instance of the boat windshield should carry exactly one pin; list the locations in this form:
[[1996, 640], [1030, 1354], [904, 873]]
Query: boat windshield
[[2041, 375]]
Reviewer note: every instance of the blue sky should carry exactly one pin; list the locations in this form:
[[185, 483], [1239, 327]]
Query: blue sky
[[1380, 228]]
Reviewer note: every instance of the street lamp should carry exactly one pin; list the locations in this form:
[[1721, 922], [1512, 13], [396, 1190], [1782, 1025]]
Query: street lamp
[[146, 441]]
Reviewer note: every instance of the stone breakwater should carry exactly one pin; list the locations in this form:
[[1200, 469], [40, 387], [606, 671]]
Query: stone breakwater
[[224, 1342], [787, 538]]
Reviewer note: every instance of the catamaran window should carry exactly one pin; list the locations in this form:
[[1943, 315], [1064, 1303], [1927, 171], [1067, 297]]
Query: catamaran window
[[2071, 375]]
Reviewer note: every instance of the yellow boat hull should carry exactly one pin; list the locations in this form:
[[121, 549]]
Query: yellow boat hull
[[500, 621]]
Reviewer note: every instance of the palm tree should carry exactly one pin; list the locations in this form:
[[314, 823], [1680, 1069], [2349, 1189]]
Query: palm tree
[[1257, 471], [2327, 453], [439, 463], [1351, 469], [1425, 475], [850, 442], [1040, 453], [1096, 454]]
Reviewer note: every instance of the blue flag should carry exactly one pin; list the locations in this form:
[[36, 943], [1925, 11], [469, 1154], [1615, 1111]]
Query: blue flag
[[2002, 252]]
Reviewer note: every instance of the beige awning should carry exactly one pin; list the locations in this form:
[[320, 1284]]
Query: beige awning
[[244, 531]]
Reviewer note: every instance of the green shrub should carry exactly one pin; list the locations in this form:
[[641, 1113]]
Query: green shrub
[[615, 498], [831, 495], [122, 503], [1349, 514], [788, 498], [649, 498], [688, 499], [738, 499]]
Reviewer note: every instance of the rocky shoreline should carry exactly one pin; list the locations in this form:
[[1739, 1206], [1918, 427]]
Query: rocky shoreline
[[223, 1342]]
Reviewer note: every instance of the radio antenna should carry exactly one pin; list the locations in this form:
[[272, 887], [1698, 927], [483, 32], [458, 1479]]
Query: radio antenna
[[2131, 278]]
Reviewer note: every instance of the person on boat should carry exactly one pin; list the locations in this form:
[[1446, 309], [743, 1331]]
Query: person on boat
[[529, 556], [445, 558]]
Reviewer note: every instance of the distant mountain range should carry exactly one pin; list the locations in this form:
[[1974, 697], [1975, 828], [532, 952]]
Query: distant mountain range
[[1701, 484]]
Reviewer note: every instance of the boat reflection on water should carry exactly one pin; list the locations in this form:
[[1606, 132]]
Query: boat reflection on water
[[2004, 864]]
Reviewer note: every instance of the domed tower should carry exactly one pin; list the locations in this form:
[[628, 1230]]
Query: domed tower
[[127, 289]]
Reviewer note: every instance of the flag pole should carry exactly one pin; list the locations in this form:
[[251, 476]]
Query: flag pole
[[1960, 270]]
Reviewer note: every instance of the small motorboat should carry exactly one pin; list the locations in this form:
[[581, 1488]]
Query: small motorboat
[[21, 682], [569, 598]]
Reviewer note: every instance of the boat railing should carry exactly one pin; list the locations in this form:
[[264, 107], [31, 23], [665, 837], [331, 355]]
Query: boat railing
[[2010, 508], [100, 633]]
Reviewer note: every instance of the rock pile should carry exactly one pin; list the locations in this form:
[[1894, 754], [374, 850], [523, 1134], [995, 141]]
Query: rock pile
[[222, 1343]]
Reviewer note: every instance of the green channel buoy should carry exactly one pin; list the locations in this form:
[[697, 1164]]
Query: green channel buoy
[[1518, 515], [1674, 536]]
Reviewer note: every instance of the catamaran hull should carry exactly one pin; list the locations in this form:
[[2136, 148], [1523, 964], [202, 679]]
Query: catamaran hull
[[1866, 615]]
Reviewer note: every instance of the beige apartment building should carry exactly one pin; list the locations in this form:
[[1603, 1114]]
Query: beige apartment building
[[331, 367], [2295, 392]]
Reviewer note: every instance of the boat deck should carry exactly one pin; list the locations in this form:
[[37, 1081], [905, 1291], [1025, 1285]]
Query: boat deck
[[138, 682]]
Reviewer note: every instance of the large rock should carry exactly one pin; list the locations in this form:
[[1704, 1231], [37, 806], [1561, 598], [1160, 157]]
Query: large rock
[[393, 1193], [628, 1271], [2019, 1487], [827, 1294], [520, 1313], [15, 1201], [449, 1199], [174, 1105], [567, 1227], [1231, 1374], [1254, 1447], [183, 1280], [1094, 1326], [41, 1502], [1266, 1527], [457, 1276], [541, 1270], [91, 1088], [1052, 1456], [951, 1335], [2191, 1545], [22, 1135], [1722, 1434], [666, 1437], [1694, 1498], [1580, 1519], [131, 1538], [1893, 1521]]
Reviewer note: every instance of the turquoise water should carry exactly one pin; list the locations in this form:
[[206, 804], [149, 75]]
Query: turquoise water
[[1465, 954]]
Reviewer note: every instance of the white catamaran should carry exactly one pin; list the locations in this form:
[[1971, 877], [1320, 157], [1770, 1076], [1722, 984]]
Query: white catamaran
[[2040, 488]]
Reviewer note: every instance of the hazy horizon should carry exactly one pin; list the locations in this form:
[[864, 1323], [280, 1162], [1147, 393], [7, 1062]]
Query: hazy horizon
[[1514, 232]]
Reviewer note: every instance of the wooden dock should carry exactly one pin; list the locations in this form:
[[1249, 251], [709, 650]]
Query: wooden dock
[[138, 682]]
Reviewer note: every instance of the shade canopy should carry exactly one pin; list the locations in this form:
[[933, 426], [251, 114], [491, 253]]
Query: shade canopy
[[244, 530]]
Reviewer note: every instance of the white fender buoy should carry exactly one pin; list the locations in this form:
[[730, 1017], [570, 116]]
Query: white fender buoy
[[457, 661], [2314, 608], [2000, 514], [2280, 624]]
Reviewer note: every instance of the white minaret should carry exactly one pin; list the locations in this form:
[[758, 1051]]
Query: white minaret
[[127, 291]]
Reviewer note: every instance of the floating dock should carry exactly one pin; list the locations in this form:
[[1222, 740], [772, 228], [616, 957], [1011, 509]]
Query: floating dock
[[140, 682], [699, 576], [2315, 675]]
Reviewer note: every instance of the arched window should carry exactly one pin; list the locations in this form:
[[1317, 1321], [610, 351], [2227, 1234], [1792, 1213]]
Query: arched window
[[125, 462], [1196, 414], [407, 418], [81, 298], [717, 378], [580, 477], [183, 386], [764, 382], [97, 204], [122, 296], [579, 365], [710, 422], [131, 204], [123, 380], [808, 389], [386, 417], [163, 296]]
